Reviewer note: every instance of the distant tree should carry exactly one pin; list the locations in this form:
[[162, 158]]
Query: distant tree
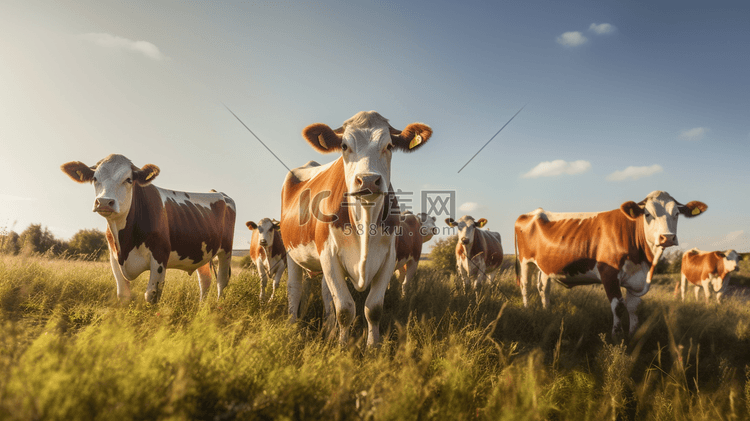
[[9, 243], [88, 242], [36, 239], [443, 254]]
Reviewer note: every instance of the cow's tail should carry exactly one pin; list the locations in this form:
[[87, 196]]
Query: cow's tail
[[517, 264]]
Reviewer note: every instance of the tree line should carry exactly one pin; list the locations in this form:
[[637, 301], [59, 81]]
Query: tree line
[[86, 244]]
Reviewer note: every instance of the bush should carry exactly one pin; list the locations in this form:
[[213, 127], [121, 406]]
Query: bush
[[91, 244], [36, 239], [443, 254]]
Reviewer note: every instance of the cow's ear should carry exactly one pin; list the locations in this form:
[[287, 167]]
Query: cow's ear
[[78, 171], [276, 224], [251, 225], [145, 175], [481, 222], [450, 222], [322, 138], [412, 137], [692, 209], [631, 210]]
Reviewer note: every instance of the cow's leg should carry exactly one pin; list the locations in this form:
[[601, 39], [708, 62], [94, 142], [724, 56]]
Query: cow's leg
[[697, 291], [156, 277], [543, 286], [683, 286], [224, 271], [720, 292], [374, 303], [631, 303], [280, 266], [707, 290], [411, 270], [463, 275], [293, 288], [263, 278], [523, 279], [611, 285], [342, 299], [123, 285], [204, 279], [328, 318]]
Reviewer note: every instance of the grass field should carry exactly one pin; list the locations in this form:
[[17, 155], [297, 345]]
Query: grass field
[[69, 350]]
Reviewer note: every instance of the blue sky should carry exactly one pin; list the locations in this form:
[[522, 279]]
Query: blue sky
[[661, 88]]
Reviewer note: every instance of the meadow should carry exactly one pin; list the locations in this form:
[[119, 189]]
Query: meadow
[[69, 351]]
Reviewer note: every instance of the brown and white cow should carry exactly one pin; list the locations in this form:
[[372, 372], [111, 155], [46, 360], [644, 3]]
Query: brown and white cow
[[479, 254], [617, 248], [150, 228], [707, 269], [340, 218], [268, 253], [415, 230]]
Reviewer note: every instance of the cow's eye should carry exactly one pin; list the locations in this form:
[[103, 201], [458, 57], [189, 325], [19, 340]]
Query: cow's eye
[[344, 147], [95, 180], [390, 146], [129, 180]]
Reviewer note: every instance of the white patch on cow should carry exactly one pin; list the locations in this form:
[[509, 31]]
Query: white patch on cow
[[560, 216], [633, 276], [306, 256], [582, 278], [310, 170], [138, 261]]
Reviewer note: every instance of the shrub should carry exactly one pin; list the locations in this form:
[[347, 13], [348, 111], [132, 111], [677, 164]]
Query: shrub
[[443, 254], [90, 243]]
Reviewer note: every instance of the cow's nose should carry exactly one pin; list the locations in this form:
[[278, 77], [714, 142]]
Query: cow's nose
[[105, 202], [369, 182], [666, 240], [435, 231], [263, 242], [465, 240]]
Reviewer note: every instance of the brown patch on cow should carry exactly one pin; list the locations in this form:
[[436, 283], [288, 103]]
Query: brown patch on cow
[[111, 240], [402, 138], [697, 266], [179, 227]]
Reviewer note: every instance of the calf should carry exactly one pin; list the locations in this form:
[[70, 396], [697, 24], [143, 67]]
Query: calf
[[708, 269], [414, 231], [618, 248], [150, 228], [267, 252], [479, 254]]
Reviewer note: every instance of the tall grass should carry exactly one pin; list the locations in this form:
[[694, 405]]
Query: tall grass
[[69, 350]]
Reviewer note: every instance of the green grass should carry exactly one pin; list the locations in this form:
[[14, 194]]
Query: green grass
[[69, 350]]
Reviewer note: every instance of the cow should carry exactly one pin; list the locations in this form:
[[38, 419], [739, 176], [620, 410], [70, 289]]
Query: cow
[[414, 231], [707, 269], [617, 248], [154, 229], [479, 254], [268, 253], [340, 218]]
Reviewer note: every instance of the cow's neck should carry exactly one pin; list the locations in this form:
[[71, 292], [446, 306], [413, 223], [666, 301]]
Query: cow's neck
[[651, 252]]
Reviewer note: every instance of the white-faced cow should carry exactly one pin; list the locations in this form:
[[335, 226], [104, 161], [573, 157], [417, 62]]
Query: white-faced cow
[[708, 269], [618, 248], [414, 231], [479, 254], [267, 252], [340, 218], [150, 228]]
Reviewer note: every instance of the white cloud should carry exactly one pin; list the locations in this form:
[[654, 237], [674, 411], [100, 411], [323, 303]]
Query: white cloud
[[732, 240], [634, 173], [111, 41], [571, 39], [469, 207], [602, 28], [697, 133], [558, 167]]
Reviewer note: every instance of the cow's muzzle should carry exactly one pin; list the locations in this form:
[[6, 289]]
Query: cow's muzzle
[[104, 207], [263, 243], [465, 240], [667, 240]]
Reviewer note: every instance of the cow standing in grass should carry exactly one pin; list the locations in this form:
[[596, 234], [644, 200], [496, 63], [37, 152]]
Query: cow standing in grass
[[415, 231], [707, 269], [479, 254], [154, 229], [340, 218], [268, 254], [617, 248]]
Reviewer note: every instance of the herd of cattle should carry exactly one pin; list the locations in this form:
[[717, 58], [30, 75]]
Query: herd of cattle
[[342, 219]]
